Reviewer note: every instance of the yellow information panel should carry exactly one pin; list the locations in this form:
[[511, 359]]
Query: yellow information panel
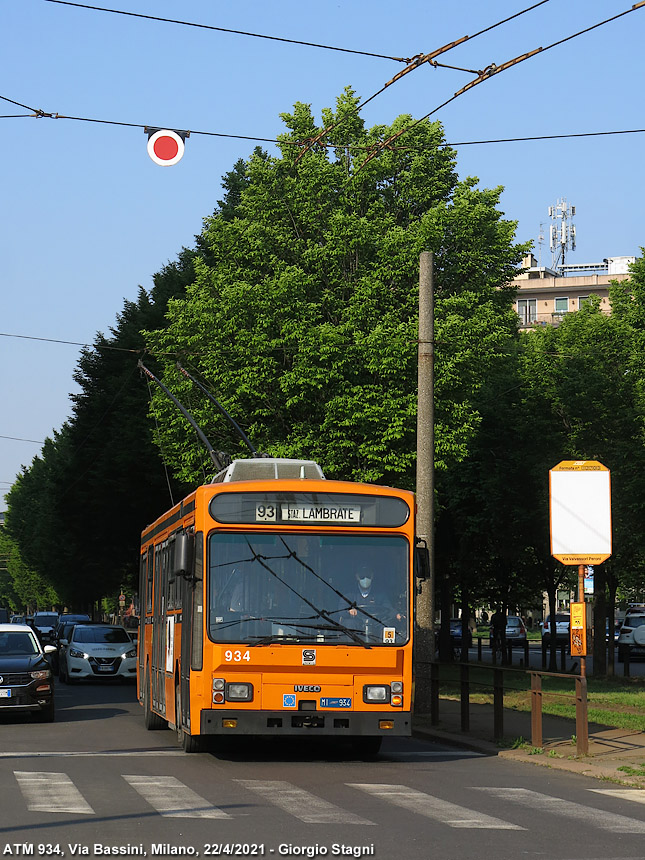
[[578, 629]]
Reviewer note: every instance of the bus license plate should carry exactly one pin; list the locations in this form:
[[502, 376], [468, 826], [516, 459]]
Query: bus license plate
[[5, 694], [335, 703]]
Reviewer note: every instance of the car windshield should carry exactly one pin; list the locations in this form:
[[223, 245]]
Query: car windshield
[[18, 644], [336, 589], [99, 635], [514, 622], [46, 620], [635, 621]]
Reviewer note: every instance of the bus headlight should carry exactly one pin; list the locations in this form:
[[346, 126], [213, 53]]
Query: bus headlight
[[238, 692], [376, 693]]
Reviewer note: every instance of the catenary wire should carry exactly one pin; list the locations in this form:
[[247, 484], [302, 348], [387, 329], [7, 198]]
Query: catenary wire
[[20, 439], [234, 32], [414, 63], [40, 114], [492, 70]]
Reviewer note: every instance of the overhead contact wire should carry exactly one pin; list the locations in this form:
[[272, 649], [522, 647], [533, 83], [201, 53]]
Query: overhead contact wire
[[234, 32], [492, 70]]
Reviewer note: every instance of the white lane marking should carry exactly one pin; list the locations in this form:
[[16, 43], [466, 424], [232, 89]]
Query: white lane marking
[[433, 807], [300, 803], [568, 809], [51, 792], [636, 794], [172, 799]]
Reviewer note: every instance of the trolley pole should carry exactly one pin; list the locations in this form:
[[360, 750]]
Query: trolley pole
[[425, 644]]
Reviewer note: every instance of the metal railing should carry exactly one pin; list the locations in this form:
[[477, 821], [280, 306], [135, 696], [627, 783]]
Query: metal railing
[[497, 686]]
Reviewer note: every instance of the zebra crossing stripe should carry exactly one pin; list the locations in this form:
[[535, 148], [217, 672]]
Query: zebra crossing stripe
[[636, 794], [433, 807], [567, 808], [51, 792], [300, 803], [172, 799]]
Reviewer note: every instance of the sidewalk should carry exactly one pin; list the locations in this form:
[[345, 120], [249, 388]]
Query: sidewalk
[[609, 748]]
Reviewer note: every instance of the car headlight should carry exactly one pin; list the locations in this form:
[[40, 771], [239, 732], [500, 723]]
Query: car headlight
[[41, 674], [238, 692], [131, 653], [376, 693], [74, 653]]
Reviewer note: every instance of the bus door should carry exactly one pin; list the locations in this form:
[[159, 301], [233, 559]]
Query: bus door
[[159, 630], [191, 626]]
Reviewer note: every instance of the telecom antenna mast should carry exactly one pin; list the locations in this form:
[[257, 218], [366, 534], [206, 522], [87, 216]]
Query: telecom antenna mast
[[562, 234]]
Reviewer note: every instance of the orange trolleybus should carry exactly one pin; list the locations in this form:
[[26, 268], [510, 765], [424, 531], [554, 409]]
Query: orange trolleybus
[[277, 603]]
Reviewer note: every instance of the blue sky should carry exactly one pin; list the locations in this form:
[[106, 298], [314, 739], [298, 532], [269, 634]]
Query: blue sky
[[87, 217]]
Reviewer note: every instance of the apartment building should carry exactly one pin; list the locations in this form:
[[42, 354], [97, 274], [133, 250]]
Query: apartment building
[[544, 295]]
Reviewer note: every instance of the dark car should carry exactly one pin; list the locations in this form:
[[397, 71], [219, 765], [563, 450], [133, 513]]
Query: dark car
[[63, 632], [69, 618], [4, 615], [26, 683]]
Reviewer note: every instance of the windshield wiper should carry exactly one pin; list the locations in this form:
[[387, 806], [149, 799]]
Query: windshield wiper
[[295, 637], [291, 638]]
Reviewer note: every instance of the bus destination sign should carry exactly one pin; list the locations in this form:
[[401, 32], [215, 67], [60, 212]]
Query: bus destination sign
[[300, 512], [300, 508]]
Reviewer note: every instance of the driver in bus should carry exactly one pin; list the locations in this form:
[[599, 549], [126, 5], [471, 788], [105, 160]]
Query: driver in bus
[[365, 595]]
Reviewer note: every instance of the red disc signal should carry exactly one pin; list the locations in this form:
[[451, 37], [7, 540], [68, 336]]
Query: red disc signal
[[165, 147]]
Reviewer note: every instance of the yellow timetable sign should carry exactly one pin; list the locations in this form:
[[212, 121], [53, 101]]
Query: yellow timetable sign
[[578, 629]]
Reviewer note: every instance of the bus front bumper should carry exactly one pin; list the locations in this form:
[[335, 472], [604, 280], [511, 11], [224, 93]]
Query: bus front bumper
[[293, 723]]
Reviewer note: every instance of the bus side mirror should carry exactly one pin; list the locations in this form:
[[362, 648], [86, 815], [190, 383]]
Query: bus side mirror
[[422, 560], [184, 552]]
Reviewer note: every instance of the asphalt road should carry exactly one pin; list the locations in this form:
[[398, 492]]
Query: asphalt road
[[96, 783]]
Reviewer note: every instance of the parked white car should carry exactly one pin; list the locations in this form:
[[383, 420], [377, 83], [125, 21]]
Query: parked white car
[[632, 635], [562, 622]]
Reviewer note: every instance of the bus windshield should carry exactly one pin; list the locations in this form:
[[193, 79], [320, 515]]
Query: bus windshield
[[338, 589]]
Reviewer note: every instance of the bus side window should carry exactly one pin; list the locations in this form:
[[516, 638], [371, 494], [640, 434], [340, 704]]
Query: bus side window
[[150, 575], [197, 643]]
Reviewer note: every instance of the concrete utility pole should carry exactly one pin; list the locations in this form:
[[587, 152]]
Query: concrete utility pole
[[425, 649]]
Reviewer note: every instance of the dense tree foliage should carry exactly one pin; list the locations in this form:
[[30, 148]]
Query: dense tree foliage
[[304, 311]]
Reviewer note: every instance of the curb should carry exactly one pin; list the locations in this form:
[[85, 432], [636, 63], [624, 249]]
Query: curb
[[468, 743]]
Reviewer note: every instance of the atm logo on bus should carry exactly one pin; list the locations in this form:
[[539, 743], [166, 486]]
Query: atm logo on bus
[[306, 688]]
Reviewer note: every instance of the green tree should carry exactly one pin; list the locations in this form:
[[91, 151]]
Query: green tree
[[76, 514], [584, 381], [303, 311], [20, 587]]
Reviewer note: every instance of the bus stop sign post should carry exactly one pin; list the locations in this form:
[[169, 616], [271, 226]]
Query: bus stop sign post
[[580, 522]]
